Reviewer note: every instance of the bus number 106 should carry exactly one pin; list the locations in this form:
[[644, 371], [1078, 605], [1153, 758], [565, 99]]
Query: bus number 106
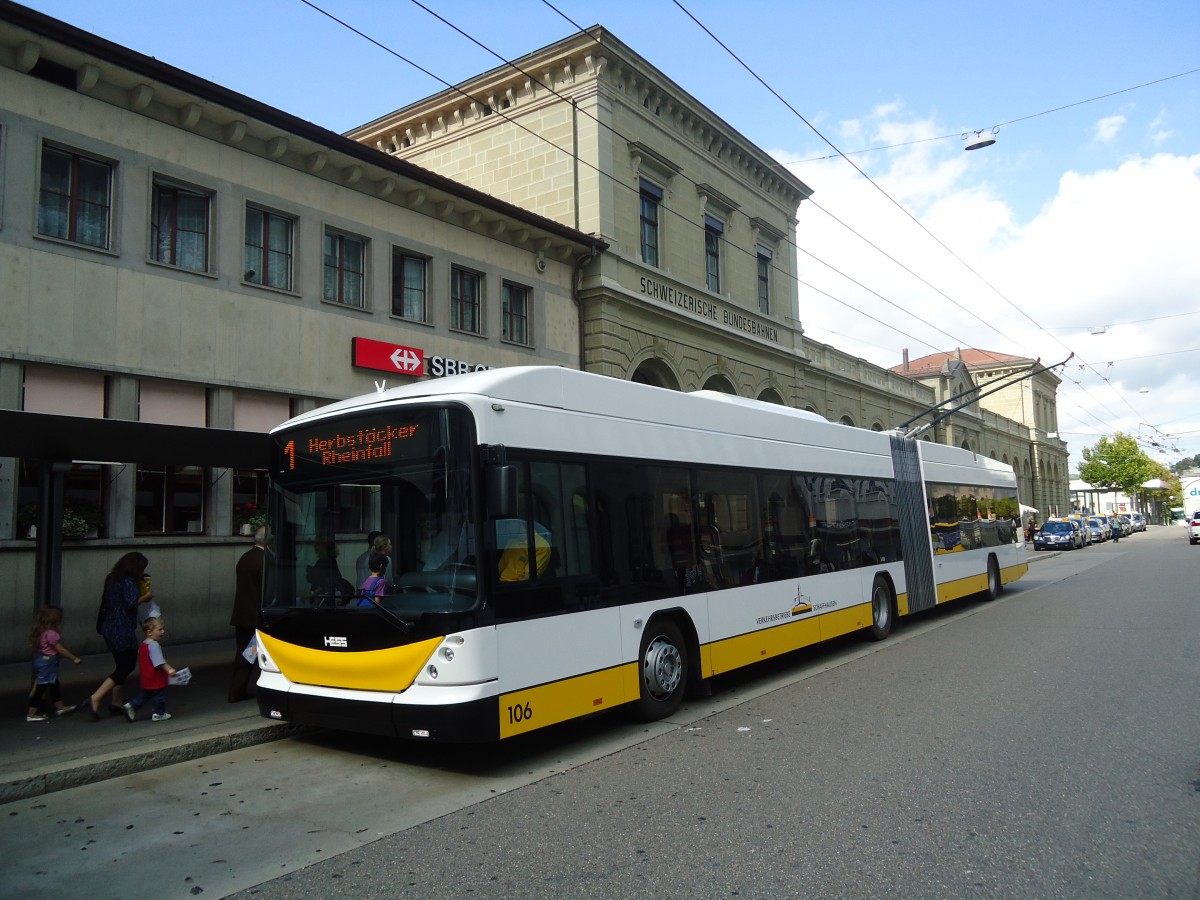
[[519, 714]]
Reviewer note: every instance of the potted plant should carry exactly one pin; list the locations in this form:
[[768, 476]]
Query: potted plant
[[248, 518], [27, 520], [80, 519]]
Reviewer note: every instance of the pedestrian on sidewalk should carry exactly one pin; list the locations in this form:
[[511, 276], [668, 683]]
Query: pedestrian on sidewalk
[[249, 578], [125, 588], [155, 673], [45, 697]]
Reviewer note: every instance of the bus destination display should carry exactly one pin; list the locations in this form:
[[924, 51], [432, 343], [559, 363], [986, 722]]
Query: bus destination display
[[351, 445]]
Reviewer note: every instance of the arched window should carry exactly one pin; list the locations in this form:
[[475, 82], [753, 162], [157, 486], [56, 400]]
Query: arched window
[[655, 372], [719, 383]]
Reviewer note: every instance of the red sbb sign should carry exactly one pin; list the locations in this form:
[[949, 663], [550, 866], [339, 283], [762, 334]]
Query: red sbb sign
[[369, 354]]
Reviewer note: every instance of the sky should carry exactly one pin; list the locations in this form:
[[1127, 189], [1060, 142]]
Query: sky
[[1077, 232]]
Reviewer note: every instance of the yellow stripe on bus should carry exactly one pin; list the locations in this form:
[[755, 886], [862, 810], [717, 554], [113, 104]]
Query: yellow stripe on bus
[[735, 652], [1012, 573], [558, 701], [844, 621], [962, 587], [977, 584], [391, 669]]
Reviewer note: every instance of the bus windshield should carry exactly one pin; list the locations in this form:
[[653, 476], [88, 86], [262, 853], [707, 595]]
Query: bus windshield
[[400, 477]]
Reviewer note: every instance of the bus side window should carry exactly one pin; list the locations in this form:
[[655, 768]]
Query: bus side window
[[560, 497]]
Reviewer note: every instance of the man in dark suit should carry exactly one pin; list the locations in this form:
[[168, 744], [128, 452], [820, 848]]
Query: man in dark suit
[[247, 601]]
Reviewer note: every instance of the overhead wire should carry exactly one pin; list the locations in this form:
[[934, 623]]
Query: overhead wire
[[913, 218], [998, 125], [573, 155], [314, 6], [633, 188]]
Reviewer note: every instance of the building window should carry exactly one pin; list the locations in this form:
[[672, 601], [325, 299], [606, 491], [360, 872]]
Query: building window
[[651, 200], [249, 499], [268, 249], [169, 500], [464, 300], [408, 286], [75, 202], [514, 314], [764, 279], [344, 263], [83, 499], [713, 229], [179, 227]]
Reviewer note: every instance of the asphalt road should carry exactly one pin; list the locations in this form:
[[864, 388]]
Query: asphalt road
[[1046, 745]]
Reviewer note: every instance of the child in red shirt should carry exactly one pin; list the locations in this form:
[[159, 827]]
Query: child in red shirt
[[155, 674]]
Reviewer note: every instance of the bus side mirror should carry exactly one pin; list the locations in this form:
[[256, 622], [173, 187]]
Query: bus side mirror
[[502, 492]]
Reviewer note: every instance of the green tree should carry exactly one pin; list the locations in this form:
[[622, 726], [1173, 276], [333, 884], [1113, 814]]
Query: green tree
[[1117, 463], [1186, 464], [1169, 495]]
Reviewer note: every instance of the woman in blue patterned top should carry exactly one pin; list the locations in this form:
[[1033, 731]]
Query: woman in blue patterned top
[[125, 588]]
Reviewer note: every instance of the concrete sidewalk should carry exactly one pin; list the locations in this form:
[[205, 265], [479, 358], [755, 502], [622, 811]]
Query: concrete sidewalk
[[72, 750]]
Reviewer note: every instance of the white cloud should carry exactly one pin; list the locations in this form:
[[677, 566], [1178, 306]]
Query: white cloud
[[1109, 127], [1112, 246]]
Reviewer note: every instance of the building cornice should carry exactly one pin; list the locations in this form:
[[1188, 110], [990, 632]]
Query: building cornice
[[565, 71]]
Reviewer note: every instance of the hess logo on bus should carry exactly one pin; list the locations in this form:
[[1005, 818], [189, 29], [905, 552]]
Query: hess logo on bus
[[336, 641]]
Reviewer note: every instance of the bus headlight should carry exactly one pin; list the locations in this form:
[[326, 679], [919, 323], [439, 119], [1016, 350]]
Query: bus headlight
[[448, 654], [432, 671], [264, 659]]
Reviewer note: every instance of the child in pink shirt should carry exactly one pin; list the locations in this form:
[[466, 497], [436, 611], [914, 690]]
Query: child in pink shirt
[[46, 642]]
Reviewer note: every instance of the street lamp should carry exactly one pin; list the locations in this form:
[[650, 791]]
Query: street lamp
[[981, 139]]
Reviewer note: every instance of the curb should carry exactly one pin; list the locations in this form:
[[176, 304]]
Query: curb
[[23, 786]]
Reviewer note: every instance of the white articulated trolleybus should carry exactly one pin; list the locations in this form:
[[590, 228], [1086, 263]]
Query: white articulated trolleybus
[[564, 543]]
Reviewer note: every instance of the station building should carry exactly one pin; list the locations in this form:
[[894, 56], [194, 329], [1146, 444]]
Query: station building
[[183, 267]]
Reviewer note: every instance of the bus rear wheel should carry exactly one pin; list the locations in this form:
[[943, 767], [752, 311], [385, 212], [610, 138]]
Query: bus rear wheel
[[994, 585], [663, 663], [882, 610]]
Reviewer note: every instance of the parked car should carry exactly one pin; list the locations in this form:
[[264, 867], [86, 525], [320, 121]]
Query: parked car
[[1194, 528], [1083, 529], [1059, 535], [1100, 529], [1138, 520]]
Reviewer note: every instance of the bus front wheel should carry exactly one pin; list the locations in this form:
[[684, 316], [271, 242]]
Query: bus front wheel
[[664, 665]]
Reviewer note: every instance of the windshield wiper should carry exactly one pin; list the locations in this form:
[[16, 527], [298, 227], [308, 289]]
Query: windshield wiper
[[405, 625]]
